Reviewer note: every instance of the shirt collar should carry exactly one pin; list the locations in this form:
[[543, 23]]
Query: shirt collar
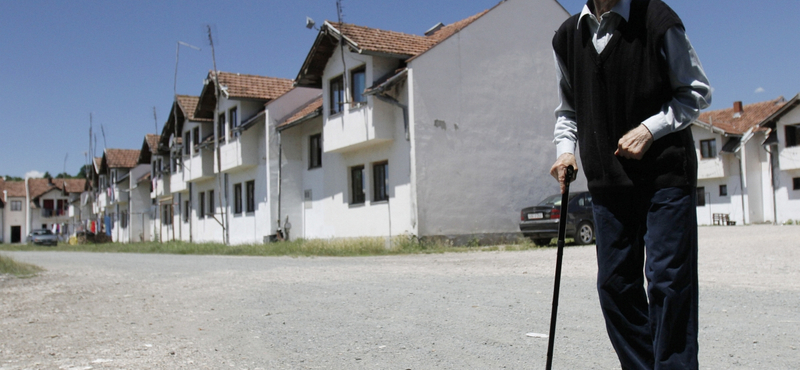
[[623, 8]]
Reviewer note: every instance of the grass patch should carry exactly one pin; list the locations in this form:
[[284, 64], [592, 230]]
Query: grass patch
[[18, 269], [317, 247]]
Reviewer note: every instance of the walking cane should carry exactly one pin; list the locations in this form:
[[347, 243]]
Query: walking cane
[[562, 231]]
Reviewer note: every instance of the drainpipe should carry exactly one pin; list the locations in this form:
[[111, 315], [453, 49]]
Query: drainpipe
[[771, 150], [3, 217], [388, 99], [190, 214], [741, 186], [280, 174], [27, 209]]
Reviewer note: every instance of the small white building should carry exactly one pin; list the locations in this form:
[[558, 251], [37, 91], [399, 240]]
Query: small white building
[[41, 203], [739, 149], [443, 135]]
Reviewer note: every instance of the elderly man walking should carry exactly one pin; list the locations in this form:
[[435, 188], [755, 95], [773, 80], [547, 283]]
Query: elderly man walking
[[630, 84]]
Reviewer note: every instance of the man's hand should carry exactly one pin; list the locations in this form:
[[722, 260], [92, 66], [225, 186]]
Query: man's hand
[[635, 143], [559, 169]]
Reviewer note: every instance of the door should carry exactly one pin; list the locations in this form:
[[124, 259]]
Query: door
[[16, 234]]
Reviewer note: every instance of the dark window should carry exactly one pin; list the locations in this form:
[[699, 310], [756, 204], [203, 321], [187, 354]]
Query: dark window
[[185, 211], [337, 95], [166, 214], [123, 219], [196, 138], [201, 205], [701, 196], [796, 183], [221, 126], [233, 115], [708, 148], [211, 210], [723, 190], [187, 138], [792, 135], [357, 185], [358, 82], [16, 205], [380, 181], [237, 199], [315, 151], [251, 196]]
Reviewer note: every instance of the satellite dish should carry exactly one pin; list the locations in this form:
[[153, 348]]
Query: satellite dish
[[310, 23]]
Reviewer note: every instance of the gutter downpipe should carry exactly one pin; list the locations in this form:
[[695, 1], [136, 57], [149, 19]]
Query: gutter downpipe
[[27, 209], [3, 217], [390, 100]]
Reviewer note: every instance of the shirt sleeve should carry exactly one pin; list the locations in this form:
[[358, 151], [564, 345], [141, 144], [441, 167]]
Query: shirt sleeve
[[690, 86], [566, 129]]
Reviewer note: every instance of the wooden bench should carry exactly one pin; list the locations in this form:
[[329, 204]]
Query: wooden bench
[[722, 219]]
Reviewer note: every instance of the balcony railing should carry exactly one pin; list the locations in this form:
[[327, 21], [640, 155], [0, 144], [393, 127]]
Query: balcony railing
[[48, 213]]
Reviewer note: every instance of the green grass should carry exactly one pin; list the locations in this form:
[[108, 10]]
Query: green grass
[[317, 247], [19, 269]]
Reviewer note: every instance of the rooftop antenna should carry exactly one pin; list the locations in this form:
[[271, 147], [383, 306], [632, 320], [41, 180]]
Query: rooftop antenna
[[103, 131], [64, 170], [155, 118], [340, 15], [175, 85]]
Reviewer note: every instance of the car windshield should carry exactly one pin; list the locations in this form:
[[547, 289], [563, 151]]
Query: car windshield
[[42, 232], [553, 200]]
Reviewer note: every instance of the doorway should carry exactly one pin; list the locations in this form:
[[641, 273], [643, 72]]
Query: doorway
[[16, 234]]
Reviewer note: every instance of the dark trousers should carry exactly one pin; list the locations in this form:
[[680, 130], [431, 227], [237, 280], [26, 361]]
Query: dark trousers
[[655, 231]]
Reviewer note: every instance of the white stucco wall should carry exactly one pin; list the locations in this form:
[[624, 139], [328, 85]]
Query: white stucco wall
[[787, 198], [15, 218], [207, 229], [482, 117]]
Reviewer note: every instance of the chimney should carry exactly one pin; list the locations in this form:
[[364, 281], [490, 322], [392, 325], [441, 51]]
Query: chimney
[[737, 109]]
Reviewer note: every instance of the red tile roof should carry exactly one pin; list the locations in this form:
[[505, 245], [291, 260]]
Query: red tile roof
[[121, 158], [252, 86], [98, 161], [40, 186], [72, 185], [14, 188], [449, 30], [152, 142], [389, 42], [751, 116], [312, 107], [189, 104]]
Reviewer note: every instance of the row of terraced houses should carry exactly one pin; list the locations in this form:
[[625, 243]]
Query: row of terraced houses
[[380, 134]]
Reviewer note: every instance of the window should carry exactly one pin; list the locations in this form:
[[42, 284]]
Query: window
[[166, 214], [233, 115], [201, 205], [723, 190], [185, 211], [123, 219], [196, 139], [357, 185], [315, 151], [237, 199], [251, 196], [337, 95], [792, 135], [708, 148], [211, 210], [358, 83], [16, 205], [187, 138], [221, 126], [380, 182], [113, 177], [701, 196], [796, 183]]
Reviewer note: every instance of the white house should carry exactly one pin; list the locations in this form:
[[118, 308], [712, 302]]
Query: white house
[[738, 150], [113, 191], [41, 203], [443, 135], [233, 205]]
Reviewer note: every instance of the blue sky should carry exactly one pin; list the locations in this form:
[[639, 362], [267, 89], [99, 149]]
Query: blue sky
[[63, 60]]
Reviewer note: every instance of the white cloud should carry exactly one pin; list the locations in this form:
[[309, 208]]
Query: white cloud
[[34, 175], [760, 90]]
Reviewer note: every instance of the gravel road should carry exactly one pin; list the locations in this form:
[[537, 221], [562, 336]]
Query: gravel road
[[447, 311]]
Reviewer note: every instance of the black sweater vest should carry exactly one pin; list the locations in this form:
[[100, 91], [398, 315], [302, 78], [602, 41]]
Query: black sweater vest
[[617, 90]]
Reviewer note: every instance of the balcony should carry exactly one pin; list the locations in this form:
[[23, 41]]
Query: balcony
[[162, 185], [177, 180], [711, 168], [789, 158], [200, 166], [358, 127], [50, 213], [240, 152]]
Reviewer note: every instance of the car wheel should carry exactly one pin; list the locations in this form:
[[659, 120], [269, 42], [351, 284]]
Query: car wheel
[[542, 241], [585, 233]]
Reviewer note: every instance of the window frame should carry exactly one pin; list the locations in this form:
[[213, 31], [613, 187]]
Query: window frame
[[708, 148], [380, 192], [700, 194], [723, 190], [211, 210], [16, 205], [336, 90], [187, 139], [185, 211], [201, 205], [233, 120], [196, 139], [357, 191], [237, 198], [315, 151], [358, 92], [221, 123], [250, 196], [792, 133], [796, 183]]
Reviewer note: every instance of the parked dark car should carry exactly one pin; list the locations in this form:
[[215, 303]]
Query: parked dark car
[[43, 237], [540, 222]]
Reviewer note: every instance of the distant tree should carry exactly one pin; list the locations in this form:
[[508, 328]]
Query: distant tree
[[82, 172], [13, 178], [63, 175], [47, 175]]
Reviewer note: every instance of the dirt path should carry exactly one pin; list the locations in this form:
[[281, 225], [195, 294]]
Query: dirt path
[[452, 311]]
